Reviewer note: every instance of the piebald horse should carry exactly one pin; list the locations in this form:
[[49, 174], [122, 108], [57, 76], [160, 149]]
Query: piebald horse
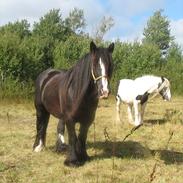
[[136, 93]]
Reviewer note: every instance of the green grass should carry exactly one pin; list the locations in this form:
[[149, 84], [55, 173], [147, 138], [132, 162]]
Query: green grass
[[153, 153]]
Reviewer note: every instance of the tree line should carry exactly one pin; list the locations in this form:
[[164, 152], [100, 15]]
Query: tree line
[[59, 42]]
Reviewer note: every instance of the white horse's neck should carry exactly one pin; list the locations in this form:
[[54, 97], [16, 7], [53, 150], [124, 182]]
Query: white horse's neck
[[148, 84]]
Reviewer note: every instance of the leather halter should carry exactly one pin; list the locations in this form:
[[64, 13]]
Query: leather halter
[[97, 78]]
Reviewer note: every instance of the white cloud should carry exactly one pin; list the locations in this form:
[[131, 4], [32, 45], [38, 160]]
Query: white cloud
[[133, 7], [177, 30], [123, 12], [11, 10]]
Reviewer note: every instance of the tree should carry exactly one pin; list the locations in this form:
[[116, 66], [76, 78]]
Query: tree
[[175, 53], [51, 26], [21, 28], [157, 31], [67, 53], [103, 27], [76, 21]]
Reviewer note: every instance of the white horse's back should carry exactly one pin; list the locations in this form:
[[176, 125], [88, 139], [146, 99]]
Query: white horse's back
[[125, 90], [129, 89], [146, 83]]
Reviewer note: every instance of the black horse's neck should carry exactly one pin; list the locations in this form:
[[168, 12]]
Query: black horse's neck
[[81, 84]]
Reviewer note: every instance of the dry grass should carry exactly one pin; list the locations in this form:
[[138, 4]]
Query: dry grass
[[153, 153]]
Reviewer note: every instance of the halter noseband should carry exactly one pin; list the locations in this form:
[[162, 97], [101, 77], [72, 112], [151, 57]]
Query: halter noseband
[[97, 78], [162, 84], [160, 87]]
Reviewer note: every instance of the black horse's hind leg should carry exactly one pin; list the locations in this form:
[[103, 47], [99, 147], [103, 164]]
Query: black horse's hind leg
[[81, 144], [60, 143], [72, 159], [41, 126]]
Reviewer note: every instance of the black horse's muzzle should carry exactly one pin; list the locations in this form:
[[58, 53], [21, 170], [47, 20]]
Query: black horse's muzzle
[[104, 94]]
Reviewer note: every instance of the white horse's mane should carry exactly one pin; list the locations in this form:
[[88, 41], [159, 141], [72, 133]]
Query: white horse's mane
[[151, 82]]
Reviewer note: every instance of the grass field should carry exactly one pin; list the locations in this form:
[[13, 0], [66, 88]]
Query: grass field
[[153, 153]]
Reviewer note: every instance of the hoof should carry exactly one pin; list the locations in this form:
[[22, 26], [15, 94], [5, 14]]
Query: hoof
[[73, 163], [61, 148], [85, 158], [38, 148]]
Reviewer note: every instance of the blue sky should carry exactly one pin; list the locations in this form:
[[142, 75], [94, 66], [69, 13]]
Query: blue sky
[[130, 16]]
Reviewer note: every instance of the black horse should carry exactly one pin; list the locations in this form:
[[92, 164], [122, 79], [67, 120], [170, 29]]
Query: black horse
[[72, 96]]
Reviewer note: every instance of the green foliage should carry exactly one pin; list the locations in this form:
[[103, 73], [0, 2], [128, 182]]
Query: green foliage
[[21, 28], [60, 43], [51, 25], [10, 55], [134, 59], [67, 53], [38, 56], [157, 31], [174, 71], [13, 88], [175, 53]]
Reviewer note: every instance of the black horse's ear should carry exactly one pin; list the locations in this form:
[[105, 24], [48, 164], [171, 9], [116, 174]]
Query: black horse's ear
[[111, 47], [93, 47]]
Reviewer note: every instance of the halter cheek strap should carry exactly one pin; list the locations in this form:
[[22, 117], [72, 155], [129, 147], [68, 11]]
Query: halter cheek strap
[[97, 78], [160, 87]]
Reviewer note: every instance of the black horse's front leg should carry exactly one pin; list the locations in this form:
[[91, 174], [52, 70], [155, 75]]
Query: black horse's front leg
[[60, 143], [81, 143], [72, 159]]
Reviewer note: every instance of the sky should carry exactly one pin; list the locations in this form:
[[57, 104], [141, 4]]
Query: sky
[[130, 16]]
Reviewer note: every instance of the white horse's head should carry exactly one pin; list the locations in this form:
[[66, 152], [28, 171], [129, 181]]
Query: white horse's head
[[164, 89]]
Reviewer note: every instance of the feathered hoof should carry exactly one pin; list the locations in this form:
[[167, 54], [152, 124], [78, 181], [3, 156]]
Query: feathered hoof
[[84, 157], [61, 148], [73, 163]]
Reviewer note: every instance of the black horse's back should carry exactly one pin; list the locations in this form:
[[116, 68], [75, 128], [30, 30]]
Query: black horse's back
[[42, 80], [45, 76]]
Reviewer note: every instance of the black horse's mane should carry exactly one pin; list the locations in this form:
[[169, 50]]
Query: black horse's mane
[[76, 83]]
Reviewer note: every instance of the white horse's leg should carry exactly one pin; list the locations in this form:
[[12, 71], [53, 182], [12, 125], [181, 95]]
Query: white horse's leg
[[142, 111], [118, 102], [130, 115], [137, 114]]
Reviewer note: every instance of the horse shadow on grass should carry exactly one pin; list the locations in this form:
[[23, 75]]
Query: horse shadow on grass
[[160, 121], [169, 156], [134, 150], [129, 149]]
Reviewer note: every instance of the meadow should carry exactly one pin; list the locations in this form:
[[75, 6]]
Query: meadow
[[152, 153]]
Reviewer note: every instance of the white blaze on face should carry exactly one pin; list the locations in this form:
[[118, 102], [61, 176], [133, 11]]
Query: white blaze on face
[[105, 89]]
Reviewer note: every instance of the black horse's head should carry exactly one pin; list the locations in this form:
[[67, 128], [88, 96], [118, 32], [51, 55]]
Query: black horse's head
[[101, 68]]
